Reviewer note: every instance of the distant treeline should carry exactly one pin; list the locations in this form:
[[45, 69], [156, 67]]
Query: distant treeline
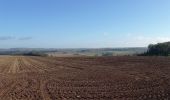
[[159, 49], [34, 54], [21, 53]]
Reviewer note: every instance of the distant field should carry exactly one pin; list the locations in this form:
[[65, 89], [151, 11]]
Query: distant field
[[74, 52], [97, 52], [71, 54], [84, 78]]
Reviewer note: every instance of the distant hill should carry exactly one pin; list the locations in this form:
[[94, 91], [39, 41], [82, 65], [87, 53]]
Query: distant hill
[[98, 51], [159, 49], [24, 51], [74, 51]]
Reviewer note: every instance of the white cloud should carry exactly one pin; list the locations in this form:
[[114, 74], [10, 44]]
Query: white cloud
[[152, 39], [131, 40], [144, 40]]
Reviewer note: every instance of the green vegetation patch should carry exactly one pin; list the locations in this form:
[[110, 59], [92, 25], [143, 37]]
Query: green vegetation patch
[[159, 49]]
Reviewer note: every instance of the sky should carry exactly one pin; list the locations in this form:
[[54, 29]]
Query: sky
[[83, 23]]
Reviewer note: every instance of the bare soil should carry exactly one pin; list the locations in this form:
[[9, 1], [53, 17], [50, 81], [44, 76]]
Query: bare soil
[[84, 78]]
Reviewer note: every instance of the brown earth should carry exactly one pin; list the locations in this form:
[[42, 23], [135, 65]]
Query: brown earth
[[84, 78]]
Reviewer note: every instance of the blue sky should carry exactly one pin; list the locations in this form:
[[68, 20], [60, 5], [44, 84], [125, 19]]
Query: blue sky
[[83, 23]]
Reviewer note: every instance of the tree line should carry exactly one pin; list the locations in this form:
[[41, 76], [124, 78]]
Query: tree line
[[159, 49]]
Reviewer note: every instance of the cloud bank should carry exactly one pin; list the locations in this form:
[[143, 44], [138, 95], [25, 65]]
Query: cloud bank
[[4, 38], [25, 38]]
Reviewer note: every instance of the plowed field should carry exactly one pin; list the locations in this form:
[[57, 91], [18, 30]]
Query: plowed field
[[84, 78]]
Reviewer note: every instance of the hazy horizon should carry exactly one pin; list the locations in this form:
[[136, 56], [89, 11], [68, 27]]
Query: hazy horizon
[[75, 48], [83, 23]]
